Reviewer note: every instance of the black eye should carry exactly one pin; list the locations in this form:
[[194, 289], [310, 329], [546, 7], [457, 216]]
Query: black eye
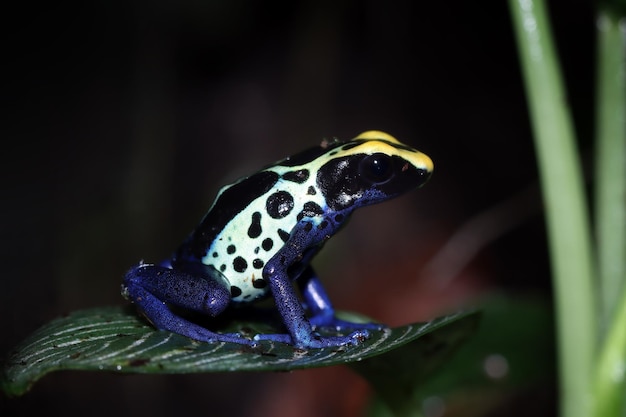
[[377, 167]]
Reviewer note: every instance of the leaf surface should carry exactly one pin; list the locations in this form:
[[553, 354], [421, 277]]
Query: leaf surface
[[116, 339]]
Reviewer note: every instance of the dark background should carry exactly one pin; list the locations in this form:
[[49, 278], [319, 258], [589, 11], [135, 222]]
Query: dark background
[[123, 119]]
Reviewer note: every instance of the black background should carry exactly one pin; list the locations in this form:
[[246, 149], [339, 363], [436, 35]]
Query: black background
[[121, 120]]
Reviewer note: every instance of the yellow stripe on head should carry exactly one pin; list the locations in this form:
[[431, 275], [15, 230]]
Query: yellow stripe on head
[[377, 134], [382, 142]]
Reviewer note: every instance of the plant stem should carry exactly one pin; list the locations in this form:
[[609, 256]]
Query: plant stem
[[610, 382], [566, 213], [610, 200]]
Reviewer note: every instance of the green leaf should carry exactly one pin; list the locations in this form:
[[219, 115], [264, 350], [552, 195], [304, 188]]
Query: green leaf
[[395, 375], [117, 339]]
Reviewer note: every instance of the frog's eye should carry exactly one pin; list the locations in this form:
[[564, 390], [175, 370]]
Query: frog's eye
[[377, 167]]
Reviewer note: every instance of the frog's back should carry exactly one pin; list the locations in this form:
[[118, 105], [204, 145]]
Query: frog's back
[[252, 219]]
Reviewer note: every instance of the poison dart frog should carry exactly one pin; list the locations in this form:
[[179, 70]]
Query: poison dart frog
[[261, 233]]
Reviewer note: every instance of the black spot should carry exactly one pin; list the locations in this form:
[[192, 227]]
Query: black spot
[[256, 250], [254, 230], [259, 283], [298, 176], [323, 224], [240, 264], [231, 249], [279, 204], [308, 227], [351, 144], [339, 218], [235, 291], [400, 146], [311, 191], [310, 209], [267, 244], [222, 267], [284, 236], [333, 153], [257, 263], [215, 254]]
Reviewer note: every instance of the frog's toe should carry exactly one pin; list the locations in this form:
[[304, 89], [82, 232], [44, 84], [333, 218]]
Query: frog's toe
[[359, 336], [281, 338], [353, 339]]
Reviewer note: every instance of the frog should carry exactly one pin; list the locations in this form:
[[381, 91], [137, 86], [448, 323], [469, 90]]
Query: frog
[[259, 236]]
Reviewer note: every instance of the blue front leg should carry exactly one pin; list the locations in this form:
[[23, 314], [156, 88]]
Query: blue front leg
[[150, 287], [300, 330], [320, 307]]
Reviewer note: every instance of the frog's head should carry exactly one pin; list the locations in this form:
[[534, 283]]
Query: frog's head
[[371, 168]]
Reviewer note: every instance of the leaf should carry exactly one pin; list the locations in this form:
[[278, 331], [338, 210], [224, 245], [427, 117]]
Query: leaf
[[515, 335], [397, 374], [117, 339]]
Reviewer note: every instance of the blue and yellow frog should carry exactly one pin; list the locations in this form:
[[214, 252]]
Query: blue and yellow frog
[[260, 235]]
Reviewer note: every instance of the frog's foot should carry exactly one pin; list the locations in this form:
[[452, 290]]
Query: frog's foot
[[329, 321], [316, 341]]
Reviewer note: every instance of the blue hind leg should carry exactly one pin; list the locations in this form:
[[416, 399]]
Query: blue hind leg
[[150, 287], [321, 309]]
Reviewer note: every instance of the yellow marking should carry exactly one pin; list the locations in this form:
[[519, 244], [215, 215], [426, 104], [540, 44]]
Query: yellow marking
[[420, 160], [375, 141], [375, 144], [377, 134]]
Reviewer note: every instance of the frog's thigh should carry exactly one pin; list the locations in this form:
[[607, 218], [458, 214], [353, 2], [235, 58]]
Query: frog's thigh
[[194, 291], [150, 286]]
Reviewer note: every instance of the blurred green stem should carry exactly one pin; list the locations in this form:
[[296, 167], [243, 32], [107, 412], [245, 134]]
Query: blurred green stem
[[610, 198], [610, 383], [566, 212], [610, 202]]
